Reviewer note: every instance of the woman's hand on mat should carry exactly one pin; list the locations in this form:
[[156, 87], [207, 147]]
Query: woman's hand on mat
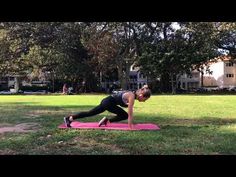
[[130, 124]]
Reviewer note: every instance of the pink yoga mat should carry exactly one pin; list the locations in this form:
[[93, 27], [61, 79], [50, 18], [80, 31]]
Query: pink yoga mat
[[111, 126]]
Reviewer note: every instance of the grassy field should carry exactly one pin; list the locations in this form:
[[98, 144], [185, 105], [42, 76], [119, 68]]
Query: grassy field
[[189, 125]]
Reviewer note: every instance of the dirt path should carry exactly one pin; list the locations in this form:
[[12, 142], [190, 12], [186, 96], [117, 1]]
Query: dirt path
[[23, 127]]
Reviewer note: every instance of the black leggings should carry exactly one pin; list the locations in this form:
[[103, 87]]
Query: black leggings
[[107, 104]]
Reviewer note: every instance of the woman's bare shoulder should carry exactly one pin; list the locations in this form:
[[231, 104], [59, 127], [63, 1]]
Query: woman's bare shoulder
[[129, 94]]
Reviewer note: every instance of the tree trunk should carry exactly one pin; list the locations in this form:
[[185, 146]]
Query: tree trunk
[[127, 66], [17, 84], [164, 83], [202, 84], [100, 76], [121, 76], [53, 83], [173, 90]]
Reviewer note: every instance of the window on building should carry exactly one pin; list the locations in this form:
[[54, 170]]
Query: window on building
[[229, 75], [3, 79], [131, 86], [229, 64], [195, 75], [11, 78], [191, 85], [140, 85]]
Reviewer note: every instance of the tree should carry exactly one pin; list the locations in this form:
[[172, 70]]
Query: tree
[[176, 51], [111, 46], [226, 35], [102, 49], [11, 50], [37, 47]]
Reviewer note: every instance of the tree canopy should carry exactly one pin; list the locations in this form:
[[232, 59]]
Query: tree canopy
[[78, 51]]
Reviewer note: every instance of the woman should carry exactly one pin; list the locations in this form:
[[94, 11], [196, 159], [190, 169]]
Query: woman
[[65, 89], [112, 104]]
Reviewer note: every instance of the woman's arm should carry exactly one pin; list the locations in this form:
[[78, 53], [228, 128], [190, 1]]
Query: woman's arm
[[131, 98]]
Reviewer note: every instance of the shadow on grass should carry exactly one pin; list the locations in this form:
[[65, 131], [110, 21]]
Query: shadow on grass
[[49, 116], [202, 135], [30, 105], [170, 119], [198, 94], [52, 116]]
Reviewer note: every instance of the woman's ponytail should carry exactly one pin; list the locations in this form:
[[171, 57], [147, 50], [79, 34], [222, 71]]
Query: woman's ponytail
[[145, 87]]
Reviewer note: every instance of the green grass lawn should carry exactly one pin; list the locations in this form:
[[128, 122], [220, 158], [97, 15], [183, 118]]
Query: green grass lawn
[[190, 124]]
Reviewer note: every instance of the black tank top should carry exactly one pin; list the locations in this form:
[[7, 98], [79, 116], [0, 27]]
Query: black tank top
[[118, 98]]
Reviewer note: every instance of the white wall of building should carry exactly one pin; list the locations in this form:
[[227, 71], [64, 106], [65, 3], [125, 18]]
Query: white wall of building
[[223, 75], [216, 78]]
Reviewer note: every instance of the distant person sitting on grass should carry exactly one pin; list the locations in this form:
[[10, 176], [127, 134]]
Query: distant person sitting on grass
[[110, 103], [65, 89]]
